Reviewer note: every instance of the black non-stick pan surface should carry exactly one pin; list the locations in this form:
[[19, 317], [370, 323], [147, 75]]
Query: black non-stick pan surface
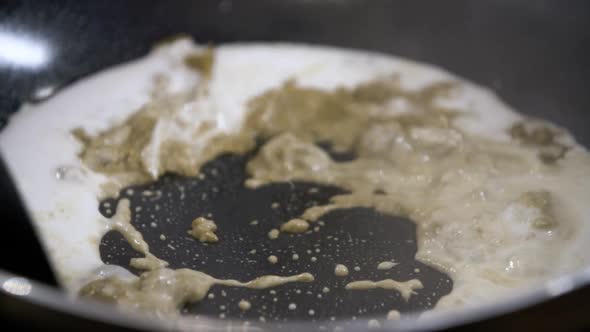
[[535, 55], [359, 238]]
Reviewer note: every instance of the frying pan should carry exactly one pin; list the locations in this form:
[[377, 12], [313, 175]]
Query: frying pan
[[536, 56]]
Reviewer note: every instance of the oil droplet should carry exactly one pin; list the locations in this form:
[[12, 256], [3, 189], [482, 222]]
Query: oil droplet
[[244, 305], [386, 265], [341, 270], [273, 234]]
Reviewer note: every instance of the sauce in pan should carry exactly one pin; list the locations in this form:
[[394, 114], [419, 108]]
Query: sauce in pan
[[498, 200]]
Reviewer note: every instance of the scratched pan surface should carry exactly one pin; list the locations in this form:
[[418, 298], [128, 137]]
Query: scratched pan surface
[[359, 238]]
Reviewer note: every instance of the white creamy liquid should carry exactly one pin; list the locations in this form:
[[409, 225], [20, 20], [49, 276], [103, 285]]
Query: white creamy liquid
[[38, 142]]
